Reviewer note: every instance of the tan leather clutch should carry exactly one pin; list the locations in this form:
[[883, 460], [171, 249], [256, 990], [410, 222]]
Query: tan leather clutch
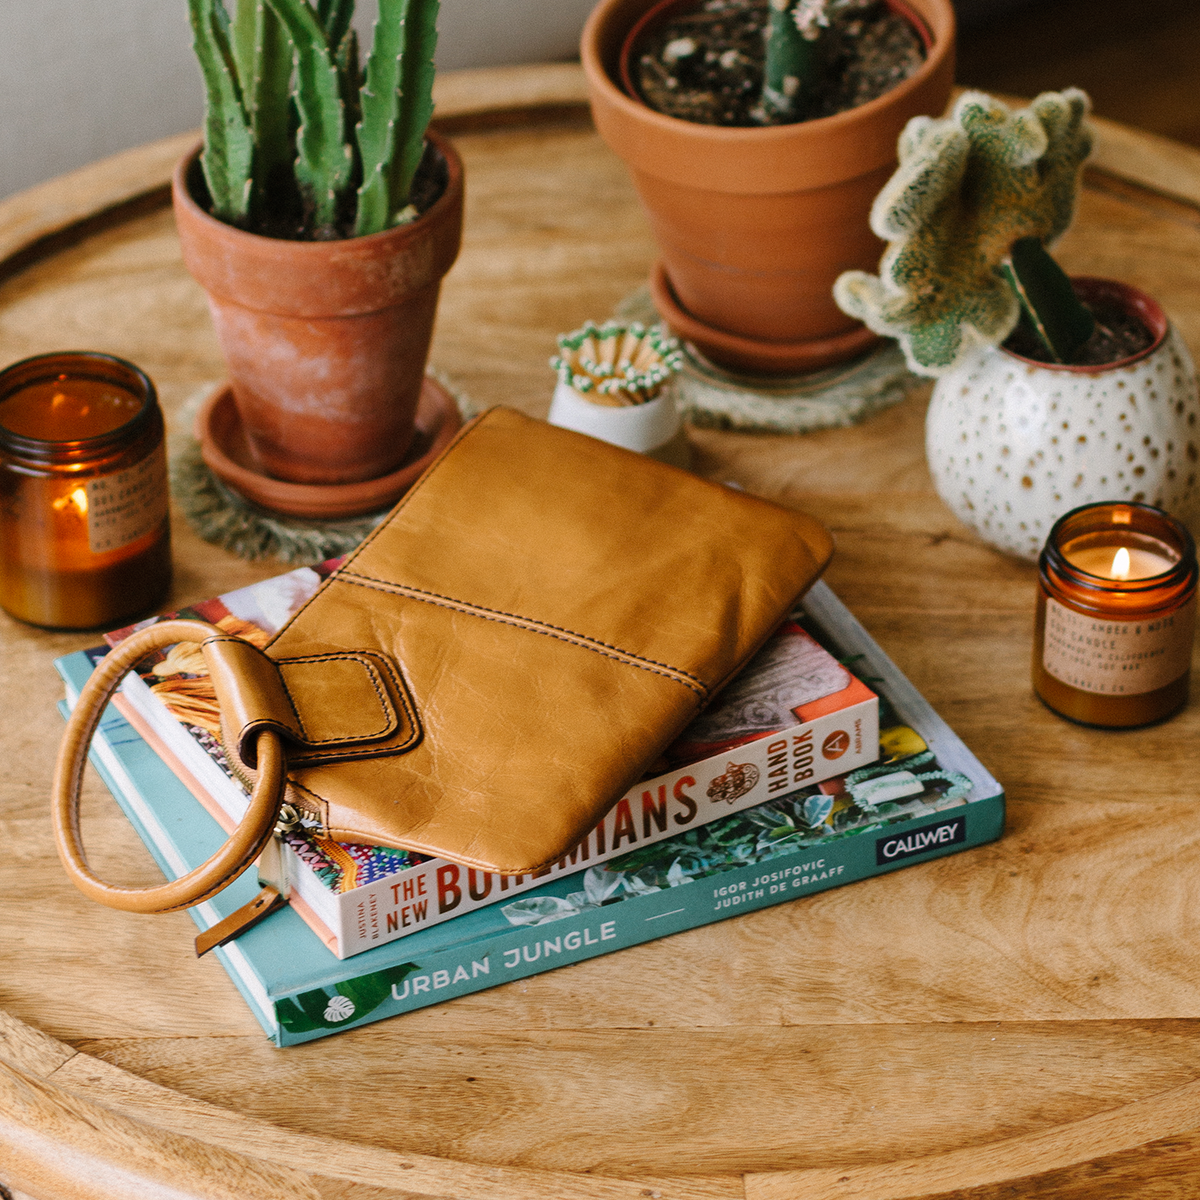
[[498, 662]]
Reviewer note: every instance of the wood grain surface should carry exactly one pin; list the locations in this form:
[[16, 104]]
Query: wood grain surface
[[1021, 1019]]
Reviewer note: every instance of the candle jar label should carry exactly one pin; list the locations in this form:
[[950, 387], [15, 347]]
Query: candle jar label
[[1117, 658], [126, 505]]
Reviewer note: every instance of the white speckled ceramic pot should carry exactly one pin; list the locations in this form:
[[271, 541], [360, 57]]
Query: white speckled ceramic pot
[[1013, 444]]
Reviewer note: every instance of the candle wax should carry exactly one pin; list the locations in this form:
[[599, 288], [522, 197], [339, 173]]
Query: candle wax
[[1101, 561], [68, 410]]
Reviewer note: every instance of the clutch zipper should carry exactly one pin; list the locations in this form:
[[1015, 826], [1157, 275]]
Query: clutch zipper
[[272, 865], [273, 881], [274, 886]]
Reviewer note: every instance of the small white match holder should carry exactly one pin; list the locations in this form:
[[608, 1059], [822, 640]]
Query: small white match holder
[[638, 427]]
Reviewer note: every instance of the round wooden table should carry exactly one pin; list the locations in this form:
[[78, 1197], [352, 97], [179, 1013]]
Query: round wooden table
[[1021, 1019]]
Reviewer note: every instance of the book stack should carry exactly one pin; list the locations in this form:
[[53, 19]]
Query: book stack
[[818, 765]]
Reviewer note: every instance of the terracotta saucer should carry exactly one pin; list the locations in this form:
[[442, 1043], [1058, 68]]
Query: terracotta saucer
[[224, 449], [736, 352]]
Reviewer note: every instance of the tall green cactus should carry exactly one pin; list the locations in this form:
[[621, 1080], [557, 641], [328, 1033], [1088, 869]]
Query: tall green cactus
[[263, 56], [324, 158], [397, 102], [292, 124], [228, 158], [796, 62]]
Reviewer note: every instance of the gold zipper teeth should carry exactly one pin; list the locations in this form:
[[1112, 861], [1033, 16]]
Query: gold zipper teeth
[[299, 810], [288, 819]]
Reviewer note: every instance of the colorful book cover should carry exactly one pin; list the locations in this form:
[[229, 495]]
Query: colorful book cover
[[927, 797], [793, 716]]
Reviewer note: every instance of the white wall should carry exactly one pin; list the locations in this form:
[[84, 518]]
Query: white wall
[[81, 79]]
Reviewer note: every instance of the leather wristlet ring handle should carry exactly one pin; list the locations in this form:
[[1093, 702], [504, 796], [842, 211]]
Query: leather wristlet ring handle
[[244, 844]]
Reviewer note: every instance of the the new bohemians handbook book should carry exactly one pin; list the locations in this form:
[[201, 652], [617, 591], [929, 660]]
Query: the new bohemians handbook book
[[793, 716], [927, 797]]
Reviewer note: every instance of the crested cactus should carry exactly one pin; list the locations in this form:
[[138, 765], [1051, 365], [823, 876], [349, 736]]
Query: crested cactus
[[292, 127], [968, 216]]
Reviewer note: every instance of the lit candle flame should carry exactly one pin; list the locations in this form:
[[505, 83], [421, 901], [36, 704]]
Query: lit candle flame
[[1120, 564], [76, 498]]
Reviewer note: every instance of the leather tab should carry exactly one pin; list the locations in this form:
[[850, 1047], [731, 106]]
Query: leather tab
[[328, 706], [348, 702], [341, 698]]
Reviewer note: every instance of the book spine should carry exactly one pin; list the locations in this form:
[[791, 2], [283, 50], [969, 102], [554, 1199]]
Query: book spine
[[656, 809], [530, 950]]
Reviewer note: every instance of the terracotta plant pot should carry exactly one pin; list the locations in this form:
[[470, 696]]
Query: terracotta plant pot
[[325, 342], [1013, 444], [755, 224], [223, 447]]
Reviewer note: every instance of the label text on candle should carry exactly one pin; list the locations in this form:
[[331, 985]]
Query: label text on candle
[[127, 505], [1117, 658]]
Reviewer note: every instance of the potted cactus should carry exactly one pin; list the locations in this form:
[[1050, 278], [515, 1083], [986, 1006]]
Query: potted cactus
[[1051, 392], [755, 220], [320, 217], [797, 58]]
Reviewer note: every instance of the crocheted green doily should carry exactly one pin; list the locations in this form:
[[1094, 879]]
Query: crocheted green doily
[[714, 398]]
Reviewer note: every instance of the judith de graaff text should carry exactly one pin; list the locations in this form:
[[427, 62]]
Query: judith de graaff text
[[733, 894]]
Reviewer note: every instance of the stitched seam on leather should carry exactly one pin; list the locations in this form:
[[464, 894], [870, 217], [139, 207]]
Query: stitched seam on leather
[[531, 626], [414, 725], [499, 614], [468, 428], [380, 694]]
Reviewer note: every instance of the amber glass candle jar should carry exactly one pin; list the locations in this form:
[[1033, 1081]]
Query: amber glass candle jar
[[84, 535], [1116, 614]]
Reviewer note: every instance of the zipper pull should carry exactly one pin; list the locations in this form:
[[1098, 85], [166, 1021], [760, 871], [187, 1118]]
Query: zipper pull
[[272, 865], [246, 917], [272, 876]]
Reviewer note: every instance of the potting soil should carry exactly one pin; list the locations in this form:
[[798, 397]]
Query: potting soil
[[707, 64], [1118, 334]]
